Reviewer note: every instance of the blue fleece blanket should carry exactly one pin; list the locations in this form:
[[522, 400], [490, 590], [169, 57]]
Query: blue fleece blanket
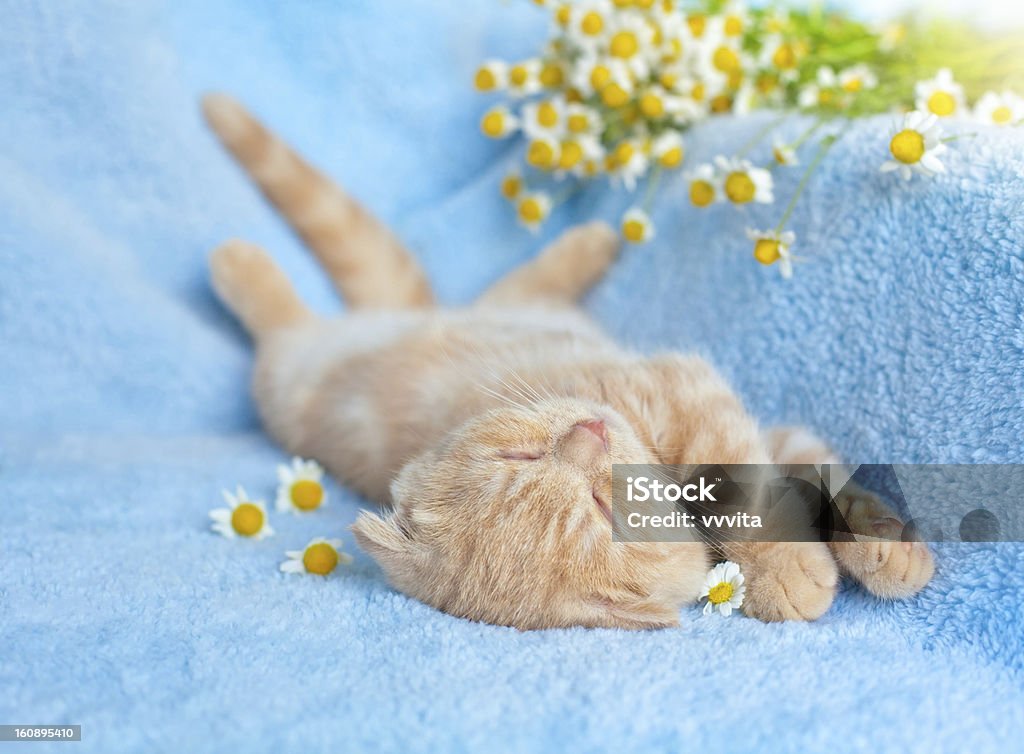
[[124, 411]]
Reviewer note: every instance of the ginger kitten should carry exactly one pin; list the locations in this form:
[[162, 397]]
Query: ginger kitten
[[489, 431]]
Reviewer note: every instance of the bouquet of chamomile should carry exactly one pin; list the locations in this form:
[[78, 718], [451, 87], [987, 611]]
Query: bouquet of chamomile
[[614, 90]]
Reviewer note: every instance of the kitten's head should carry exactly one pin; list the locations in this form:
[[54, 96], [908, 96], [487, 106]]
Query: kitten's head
[[509, 522]]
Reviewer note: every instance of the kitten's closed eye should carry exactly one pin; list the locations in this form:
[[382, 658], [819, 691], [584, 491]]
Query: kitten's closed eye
[[521, 455]]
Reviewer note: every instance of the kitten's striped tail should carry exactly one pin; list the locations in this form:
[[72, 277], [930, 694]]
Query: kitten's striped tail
[[368, 265]]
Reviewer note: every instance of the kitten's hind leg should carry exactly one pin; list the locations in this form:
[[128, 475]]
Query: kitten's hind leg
[[887, 566], [562, 272], [253, 287], [367, 263]]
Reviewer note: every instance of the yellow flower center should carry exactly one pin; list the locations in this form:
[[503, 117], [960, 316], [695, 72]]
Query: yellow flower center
[[563, 14], [247, 519], [624, 45], [725, 59], [592, 24], [697, 23], [824, 96], [698, 92], [306, 494], [767, 83], [643, 3], [633, 230], [1001, 115], [780, 156], [854, 84], [547, 115], [518, 75], [721, 104], [668, 80], [622, 3], [599, 76], [784, 56], [320, 558], [493, 124], [530, 211], [485, 80], [571, 154], [614, 95], [766, 251], [671, 158], [720, 593], [551, 75], [907, 146], [511, 186], [702, 193], [578, 123], [623, 153], [651, 105], [739, 187], [540, 154], [733, 26], [942, 104]]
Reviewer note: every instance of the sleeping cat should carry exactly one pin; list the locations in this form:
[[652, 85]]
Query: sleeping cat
[[489, 431]]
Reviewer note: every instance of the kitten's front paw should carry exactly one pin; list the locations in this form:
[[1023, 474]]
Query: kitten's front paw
[[790, 581], [887, 566]]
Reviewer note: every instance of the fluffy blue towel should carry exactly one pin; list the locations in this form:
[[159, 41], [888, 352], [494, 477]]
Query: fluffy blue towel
[[124, 409]]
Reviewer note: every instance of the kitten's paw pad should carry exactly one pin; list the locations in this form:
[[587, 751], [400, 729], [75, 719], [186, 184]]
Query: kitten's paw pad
[[886, 565], [794, 581], [888, 568]]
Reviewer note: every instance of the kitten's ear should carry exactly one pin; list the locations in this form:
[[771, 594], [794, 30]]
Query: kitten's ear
[[635, 612], [390, 544]]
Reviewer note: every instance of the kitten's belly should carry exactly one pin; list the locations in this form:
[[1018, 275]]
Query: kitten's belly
[[365, 393]]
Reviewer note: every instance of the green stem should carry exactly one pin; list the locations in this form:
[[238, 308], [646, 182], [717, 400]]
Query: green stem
[[948, 139], [756, 138], [823, 147], [802, 139], [652, 187]]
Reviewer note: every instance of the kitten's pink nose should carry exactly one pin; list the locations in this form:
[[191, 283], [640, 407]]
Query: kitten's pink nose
[[596, 427], [585, 442]]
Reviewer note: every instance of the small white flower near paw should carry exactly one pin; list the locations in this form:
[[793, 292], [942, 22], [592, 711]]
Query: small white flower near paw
[[723, 588], [243, 518], [300, 486], [320, 557]]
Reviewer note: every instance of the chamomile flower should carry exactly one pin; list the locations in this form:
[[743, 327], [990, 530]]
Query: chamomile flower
[[300, 486], [532, 209], [1003, 109], [668, 149], [628, 162], [857, 78], [779, 54], [771, 246], [582, 120], [723, 588], [743, 183], [491, 76], [512, 185], [784, 153], [499, 122], [916, 147], [637, 226], [320, 557], [630, 38], [821, 93], [735, 20], [705, 185], [588, 23], [543, 153], [524, 78], [544, 119], [940, 96], [243, 517]]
